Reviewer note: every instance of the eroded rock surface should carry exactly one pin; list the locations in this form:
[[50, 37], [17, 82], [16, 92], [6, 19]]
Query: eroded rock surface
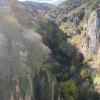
[[92, 41]]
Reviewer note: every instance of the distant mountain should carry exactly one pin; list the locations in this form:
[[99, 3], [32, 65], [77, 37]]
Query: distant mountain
[[38, 10], [53, 2], [36, 7], [56, 2]]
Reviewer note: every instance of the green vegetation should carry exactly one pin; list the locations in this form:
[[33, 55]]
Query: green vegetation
[[70, 90], [42, 62]]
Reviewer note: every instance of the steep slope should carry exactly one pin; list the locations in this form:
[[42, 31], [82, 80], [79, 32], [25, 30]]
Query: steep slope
[[38, 10], [67, 69], [63, 9], [80, 19], [73, 13], [38, 61], [91, 46], [21, 48], [93, 32]]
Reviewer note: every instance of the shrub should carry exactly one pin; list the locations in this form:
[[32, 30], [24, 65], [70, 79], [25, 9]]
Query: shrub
[[76, 40], [79, 30], [84, 72], [96, 79], [70, 90], [89, 56]]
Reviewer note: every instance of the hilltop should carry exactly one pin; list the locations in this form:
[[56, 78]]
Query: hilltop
[[36, 9]]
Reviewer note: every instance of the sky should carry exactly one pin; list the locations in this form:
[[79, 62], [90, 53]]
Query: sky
[[46, 1]]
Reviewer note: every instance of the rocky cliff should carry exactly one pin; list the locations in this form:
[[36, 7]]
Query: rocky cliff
[[91, 45], [93, 33]]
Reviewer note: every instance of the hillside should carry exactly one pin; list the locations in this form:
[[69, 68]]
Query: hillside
[[38, 10], [70, 7], [20, 46], [37, 6], [80, 19], [50, 52], [73, 11]]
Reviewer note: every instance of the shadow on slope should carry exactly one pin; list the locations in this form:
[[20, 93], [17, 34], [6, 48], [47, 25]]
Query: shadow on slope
[[68, 66]]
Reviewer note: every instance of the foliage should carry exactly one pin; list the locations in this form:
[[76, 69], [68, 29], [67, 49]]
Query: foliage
[[63, 73], [84, 72], [89, 56], [24, 85], [76, 40], [10, 27], [79, 30], [96, 79], [70, 90]]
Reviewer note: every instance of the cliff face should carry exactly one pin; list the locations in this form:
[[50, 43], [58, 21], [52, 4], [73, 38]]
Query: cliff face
[[93, 33], [80, 19], [72, 13], [91, 46], [62, 11]]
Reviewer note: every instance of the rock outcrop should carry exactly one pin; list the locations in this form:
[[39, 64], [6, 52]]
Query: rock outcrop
[[92, 46], [92, 41]]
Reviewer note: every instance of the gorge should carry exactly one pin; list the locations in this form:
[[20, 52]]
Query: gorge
[[50, 52]]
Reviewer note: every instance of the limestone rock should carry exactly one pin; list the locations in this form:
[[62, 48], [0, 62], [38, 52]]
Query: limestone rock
[[92, 40]]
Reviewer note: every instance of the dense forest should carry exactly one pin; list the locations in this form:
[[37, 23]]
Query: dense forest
[[50, 52]]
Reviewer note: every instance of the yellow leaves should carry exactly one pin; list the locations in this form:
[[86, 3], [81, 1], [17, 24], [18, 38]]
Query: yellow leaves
[[93, 59], [98, 60], [10, 26], [70, 89], [84, 72], [76, 40], [46, 16], [63, 27], [72, 69], [88, 56], [11, 19], [96, 79]]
